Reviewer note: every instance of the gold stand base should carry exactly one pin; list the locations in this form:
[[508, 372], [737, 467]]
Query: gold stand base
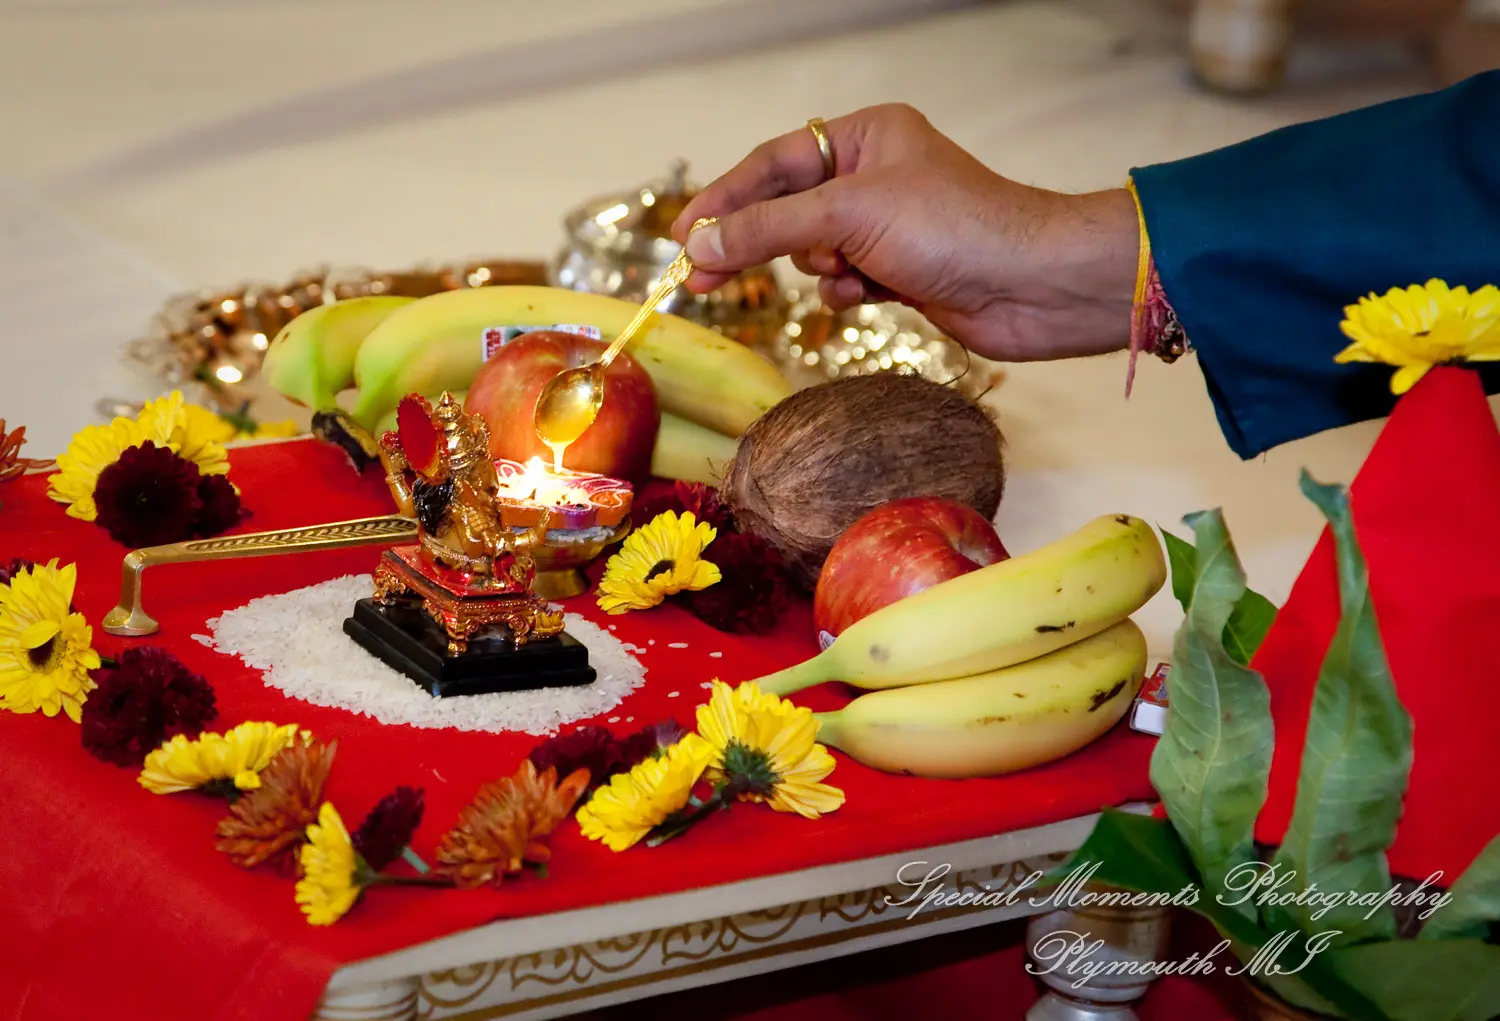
[[555, 586], [560, 565]]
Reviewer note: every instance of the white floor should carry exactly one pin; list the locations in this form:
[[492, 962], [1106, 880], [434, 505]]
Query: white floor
[[148, 146]]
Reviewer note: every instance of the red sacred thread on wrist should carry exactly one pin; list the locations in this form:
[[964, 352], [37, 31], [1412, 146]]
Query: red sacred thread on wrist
[[1154, 327]]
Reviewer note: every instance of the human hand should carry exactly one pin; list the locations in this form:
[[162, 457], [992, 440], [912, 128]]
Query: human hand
[[1012, 272]]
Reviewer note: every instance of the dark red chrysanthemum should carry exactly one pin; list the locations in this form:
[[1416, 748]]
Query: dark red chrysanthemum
[[14, 567], [221, 506], [143, 698], [592, 748], [685, 498], [188, 703], [388, 829], [751, 593], [149, 497], [648, 741]]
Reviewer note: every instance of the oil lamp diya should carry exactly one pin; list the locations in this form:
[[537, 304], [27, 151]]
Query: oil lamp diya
[[461, 602], [585, 514]]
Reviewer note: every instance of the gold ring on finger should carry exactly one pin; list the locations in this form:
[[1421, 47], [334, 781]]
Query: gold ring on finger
[[825, 147]]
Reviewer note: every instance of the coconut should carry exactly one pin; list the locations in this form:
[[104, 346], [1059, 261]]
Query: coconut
[[824, 457]]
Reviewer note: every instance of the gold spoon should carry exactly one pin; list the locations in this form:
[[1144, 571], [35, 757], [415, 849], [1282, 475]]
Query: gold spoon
[[570, 401]]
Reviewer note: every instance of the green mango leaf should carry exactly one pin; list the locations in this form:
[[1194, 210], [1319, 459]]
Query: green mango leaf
[[1248, 625], [1291, 987], [1144, 855], [1425, 980], [1252, 617], [1355, 764], [1182, 561], [1475, 903], [1213, 762]]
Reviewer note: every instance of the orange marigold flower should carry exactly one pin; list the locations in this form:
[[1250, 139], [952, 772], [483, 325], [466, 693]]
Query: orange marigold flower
[[269, 824], [505, 827], [12, 464]]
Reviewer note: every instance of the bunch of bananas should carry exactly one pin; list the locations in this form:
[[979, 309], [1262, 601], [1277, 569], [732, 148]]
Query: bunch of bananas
[[710, 388], [1006, 667]]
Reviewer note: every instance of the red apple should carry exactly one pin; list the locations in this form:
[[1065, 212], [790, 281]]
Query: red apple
[[620, 441], [897, 550]]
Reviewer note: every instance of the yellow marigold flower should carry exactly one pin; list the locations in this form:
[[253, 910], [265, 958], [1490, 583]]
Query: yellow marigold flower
[[194, 433], [622, 813], [226, 763], [765, 750], [45, 648], [91, 450], [331, 869], [659, 559], [1422, 326]]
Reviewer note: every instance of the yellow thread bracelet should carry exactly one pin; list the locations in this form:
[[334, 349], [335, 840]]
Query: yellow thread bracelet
[[1143, 263]]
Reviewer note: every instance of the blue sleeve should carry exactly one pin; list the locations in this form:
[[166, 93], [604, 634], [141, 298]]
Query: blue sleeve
[[1261, 245]]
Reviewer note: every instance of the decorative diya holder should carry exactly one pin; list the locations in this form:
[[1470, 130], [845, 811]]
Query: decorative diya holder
[[461, 603], [585, 514]]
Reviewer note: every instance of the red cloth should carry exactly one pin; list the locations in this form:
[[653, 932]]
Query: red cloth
[[1425, 505], [115, 903]]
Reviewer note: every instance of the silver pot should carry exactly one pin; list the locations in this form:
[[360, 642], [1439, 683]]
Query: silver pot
[[1119, 939], [619, 245]]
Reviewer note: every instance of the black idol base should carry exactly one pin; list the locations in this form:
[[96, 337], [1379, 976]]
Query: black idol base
[[409, 641]]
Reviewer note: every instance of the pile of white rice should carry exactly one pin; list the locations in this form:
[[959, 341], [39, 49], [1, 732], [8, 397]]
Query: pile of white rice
[[297, 640]]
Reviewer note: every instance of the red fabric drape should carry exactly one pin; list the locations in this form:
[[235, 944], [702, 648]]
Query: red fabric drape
[[1425, 504], [115, 903]]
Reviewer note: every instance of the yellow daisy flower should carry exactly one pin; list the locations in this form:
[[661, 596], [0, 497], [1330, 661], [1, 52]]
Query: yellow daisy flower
[[90, 451], [330, 870], [220, 763], [764, 750], [205, 425], [622, 813], [659, 559], [1422, 326], [45, 653], [194, 433]]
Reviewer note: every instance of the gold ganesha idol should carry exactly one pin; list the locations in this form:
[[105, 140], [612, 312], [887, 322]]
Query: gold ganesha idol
[[458, 611]]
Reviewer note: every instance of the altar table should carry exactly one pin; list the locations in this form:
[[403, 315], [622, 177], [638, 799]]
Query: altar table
[[116, 904]]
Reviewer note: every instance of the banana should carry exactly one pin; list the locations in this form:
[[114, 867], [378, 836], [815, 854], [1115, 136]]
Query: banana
[[998, 722], [688, 451], [436, 344], [311, 361], [997, 616]]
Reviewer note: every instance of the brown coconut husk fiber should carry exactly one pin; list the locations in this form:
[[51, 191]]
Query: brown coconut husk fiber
[[824, 457]]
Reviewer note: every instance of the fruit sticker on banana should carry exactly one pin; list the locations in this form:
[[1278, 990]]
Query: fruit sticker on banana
[[496, 337], [1149, 714]]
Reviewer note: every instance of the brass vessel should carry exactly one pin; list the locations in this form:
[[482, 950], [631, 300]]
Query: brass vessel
[[620, 246], [1262, 1005]]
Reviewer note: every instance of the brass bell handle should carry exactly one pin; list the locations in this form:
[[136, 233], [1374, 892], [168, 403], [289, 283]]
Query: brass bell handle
[[129, 617]]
